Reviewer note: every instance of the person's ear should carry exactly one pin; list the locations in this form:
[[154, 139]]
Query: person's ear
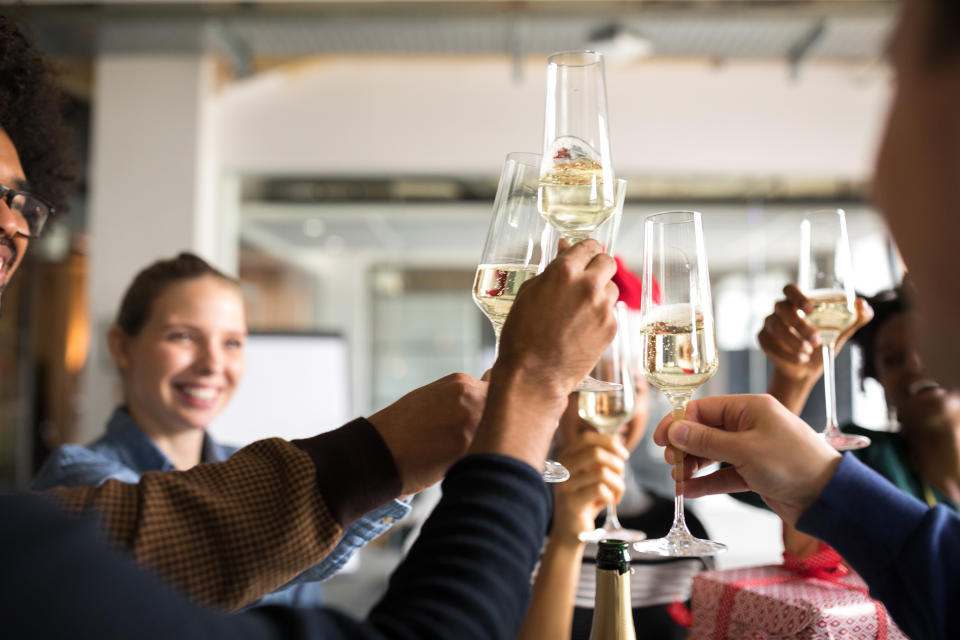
[[119, 343]]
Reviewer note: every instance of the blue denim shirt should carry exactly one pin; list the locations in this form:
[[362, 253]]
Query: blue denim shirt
[[125, 452]]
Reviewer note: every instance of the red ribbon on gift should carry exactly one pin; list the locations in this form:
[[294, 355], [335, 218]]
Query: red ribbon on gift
[[826, 564]]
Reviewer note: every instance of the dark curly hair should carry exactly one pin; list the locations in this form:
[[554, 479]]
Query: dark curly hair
[[151, 282], [886, 305], [31, 113]]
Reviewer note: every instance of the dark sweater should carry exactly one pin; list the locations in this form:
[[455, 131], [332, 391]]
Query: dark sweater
[[468, 575], [908, 554]]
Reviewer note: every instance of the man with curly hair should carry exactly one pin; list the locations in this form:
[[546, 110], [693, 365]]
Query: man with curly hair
[[228, 532]]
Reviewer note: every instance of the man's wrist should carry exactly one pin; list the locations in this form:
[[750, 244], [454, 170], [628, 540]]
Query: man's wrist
[[818, 480], [535, 379], [520, 416]]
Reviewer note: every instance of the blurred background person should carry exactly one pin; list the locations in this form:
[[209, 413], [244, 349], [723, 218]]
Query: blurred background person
[[922, 455], [178, 343]]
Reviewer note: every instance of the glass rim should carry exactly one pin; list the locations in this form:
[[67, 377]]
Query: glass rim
[[682, 217], [525, 157], [583, 54]]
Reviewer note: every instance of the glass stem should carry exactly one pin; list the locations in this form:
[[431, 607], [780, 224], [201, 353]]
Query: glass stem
[[497, 328], [612, 522], [830, 389], [679, 522]]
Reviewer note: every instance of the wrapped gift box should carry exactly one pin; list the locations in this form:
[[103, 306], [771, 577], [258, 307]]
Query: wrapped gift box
[[773, 603]]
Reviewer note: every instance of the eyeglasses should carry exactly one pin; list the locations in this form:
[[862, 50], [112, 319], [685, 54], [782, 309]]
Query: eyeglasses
[[32, 210]]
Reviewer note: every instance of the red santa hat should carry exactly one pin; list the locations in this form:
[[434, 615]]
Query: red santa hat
[[631, 288]]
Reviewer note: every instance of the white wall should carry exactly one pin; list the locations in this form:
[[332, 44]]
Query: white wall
[[152, 183], [455, 116]]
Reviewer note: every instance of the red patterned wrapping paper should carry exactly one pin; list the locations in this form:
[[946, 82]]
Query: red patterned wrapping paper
[[776, 604]]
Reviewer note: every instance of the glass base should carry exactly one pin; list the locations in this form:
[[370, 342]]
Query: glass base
[[630, 535], [590, 383], [679, 544], [553, 471], [846, 442]]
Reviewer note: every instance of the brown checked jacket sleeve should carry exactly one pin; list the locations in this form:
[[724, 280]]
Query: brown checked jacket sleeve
[[227, 533]]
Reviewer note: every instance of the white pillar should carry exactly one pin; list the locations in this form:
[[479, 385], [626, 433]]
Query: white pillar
[[153, 189]]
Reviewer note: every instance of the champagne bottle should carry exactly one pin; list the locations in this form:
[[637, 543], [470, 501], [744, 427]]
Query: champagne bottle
[[612, 614]]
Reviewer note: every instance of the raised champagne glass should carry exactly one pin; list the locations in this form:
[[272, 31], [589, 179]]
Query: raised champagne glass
[[609, 411], [678, 344], [577, 190], [515, 251], [577, 186], [826, 279]]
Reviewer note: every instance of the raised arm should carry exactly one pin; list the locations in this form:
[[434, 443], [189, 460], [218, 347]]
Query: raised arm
[[467, 576], [228, 533], [596, 463]]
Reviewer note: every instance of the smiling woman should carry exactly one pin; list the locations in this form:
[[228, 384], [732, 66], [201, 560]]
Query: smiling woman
[[921, 458], [178, 342]]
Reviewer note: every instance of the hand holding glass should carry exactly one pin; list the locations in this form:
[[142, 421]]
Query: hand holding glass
[[606, 235], [678, 347], [608, 411], [826, 279]]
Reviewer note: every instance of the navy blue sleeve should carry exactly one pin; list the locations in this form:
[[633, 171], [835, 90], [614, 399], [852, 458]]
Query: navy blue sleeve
[[468, 576], [909, 555]]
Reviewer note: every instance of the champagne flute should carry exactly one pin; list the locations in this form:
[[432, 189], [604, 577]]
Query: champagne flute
[[678, 343], [606, 234], [577, 190], [608, 411], [513, 253], [826, 278]]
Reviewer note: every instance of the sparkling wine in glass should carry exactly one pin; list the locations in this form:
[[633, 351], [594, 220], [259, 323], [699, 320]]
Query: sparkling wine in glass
[[678, 344], [577, 190], [518, 241], [826, 278], [608, 411]]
